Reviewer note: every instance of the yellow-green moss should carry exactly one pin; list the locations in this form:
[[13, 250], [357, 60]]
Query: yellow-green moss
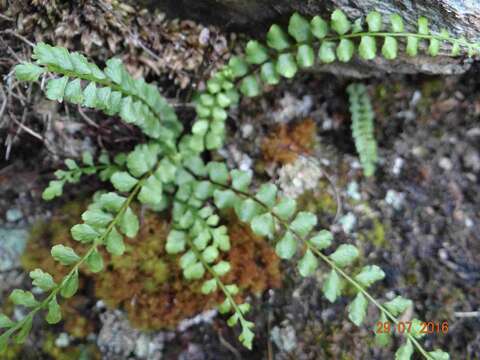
[[14, 352], [75, 352], [382, 99], [320, 201], [377, 234], [430, 90]]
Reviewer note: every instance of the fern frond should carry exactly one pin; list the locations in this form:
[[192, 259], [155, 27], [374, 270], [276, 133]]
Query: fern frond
[[363, 127], [105, 220], [266, 212], [198, 235], [73, 172], [303, 44], [112, 90]]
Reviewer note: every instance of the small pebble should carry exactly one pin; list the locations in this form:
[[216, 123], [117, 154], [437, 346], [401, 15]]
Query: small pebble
[[100, 304], [471, 159], [247, 130], [204, 317], [348, 222], [443, 254], [204, 36], [417, 96], [445, 164], [419, 151], [284, 337], [397, 166], [63, 340], [469, 222], [473, 132], [352, 191], [13, 215], [395, 199]]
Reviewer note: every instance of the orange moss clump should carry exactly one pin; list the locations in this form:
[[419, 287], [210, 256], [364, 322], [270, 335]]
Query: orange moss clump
[[145, 281], [284, 143], [255, 266], [149, 283]]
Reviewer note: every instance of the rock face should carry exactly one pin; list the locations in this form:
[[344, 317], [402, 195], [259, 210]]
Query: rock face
[[461, 18]]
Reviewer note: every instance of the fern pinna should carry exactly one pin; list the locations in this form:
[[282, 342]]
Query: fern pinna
[[168, 171]]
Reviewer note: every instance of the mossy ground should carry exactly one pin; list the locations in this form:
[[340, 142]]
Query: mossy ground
[[146, 282]]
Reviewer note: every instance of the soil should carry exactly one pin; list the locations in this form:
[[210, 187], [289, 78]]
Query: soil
[[418, 217]]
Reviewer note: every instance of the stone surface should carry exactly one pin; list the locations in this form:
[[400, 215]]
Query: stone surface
[[302, 175], [461, 18], [12, 244], [118, 340]]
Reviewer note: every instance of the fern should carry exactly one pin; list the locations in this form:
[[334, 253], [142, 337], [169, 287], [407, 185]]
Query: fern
[[168, 172], [305, 43], [363, 127]]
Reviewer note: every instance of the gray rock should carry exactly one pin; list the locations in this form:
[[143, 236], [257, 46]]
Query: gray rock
[[284, 337], [471, 159], [302, 175], [117, 339], [461, 18], [12, 245], [13, 214]]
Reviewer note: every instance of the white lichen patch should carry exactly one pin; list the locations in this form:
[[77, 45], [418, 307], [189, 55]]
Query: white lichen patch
[[302, 175]]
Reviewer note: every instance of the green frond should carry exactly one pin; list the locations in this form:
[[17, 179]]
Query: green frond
[[363, 127], [112, 90], [304, 43]]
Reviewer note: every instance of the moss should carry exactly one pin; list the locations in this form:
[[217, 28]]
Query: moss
[[75, 352], [411, 279], [382, 99], [376, 234], [320, 201], [14, 352], [286, 141], [153, 290], [145, 281], [431, 89]]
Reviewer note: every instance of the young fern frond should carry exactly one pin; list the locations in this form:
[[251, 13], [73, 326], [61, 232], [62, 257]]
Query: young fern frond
[[168, 172], [363, 127], [73, 172]]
